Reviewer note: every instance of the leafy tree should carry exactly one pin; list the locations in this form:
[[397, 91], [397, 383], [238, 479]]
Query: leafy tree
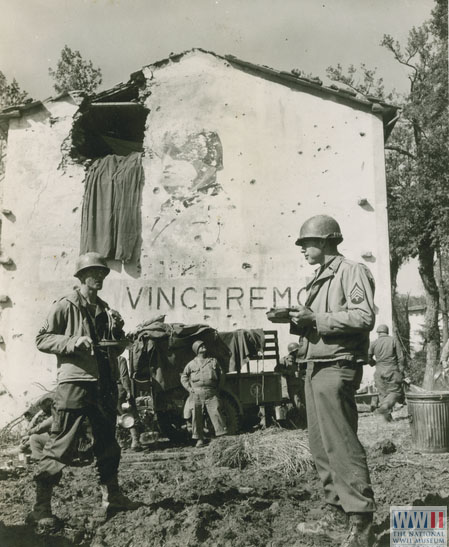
[[419, 186], [417, 367], [417, 164], [439, 19], [10, 94], [73, 72], [362, 80], [401, 323]]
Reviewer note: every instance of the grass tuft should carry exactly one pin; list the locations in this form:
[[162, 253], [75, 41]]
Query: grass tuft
[[272, 449]]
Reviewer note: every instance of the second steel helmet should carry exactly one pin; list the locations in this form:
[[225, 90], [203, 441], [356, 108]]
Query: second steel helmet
[[321, 227], [383, 328], [90, 260], [292, 347], [196, 346]]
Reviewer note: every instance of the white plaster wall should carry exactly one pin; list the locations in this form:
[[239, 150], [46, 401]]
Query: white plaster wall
[[287, 155], [306, 155], [41, 237]]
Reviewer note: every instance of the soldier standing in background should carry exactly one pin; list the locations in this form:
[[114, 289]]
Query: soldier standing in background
[[86, 388], [389, 375], [334, 326], [203, 379], [294, 374]]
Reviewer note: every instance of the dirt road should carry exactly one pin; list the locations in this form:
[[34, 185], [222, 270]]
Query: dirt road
[[188, 503]]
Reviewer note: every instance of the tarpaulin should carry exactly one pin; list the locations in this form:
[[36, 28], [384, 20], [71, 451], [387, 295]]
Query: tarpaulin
[[110, 220], [161, 350], [243, 344]]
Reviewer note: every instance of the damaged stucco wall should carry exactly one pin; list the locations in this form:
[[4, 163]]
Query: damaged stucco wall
[[286, 155], [40, 236], [233, 164]]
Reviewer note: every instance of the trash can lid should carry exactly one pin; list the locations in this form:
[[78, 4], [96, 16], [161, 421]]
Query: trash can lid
[[428, 396]]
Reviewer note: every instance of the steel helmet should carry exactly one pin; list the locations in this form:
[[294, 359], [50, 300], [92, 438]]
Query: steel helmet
[[90, 260], [292, 347], [383, 328], [196, 346], [320, 226]]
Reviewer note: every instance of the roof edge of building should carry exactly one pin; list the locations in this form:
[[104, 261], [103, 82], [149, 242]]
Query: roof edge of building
[[314, 86]]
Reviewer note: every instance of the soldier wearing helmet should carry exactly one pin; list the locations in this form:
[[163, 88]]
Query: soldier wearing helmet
[[86, 387], [203, 379], [388, 359], [294, 374], [334, 326]]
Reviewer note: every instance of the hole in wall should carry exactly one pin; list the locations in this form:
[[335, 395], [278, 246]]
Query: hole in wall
[[112, 122]]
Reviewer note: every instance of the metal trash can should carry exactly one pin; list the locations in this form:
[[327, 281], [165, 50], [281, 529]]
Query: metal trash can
[[429, 420]]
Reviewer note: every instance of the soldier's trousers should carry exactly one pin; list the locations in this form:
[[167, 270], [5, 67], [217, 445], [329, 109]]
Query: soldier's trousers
[[332, 419], [388, 382], [206, 399], [37, 444], [74, 402], [296, 390], [293, 391]]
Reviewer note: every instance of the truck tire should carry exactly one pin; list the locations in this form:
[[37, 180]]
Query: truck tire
[[170, 426], [232, 416]]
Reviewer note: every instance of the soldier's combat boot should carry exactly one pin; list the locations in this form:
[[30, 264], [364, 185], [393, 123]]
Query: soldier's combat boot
[[135, 442], [41, 514], [329, 521], [385, 413], [360, 530], [113, 501]]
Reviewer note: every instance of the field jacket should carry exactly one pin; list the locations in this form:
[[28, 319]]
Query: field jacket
[[341, 295], [385, 354], [202, 374], [66, 322]]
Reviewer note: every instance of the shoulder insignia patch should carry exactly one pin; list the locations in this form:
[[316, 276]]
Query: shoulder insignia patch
[[44, 328], [357, 295]]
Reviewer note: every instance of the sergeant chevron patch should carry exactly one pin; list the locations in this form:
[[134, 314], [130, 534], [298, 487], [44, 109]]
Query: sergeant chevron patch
[[357, 294]]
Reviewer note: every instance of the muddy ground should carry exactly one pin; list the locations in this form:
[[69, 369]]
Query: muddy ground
[[187, 502]]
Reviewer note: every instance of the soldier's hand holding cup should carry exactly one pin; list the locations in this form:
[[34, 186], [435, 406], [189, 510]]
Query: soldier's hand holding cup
[[84, 343]]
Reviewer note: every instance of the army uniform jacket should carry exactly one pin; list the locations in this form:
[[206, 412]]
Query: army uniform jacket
[[202, 373], [66, 322], [341, 295], [384, 352], [388, 359]]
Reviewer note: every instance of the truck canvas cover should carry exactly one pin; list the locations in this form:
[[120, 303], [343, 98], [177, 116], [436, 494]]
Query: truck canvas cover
[[160, 350]]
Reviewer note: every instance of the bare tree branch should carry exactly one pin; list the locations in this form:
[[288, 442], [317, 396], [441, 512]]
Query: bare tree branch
[[400, 151], [399, 58]]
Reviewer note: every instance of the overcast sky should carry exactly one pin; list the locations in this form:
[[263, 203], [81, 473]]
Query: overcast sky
[[121, 36]]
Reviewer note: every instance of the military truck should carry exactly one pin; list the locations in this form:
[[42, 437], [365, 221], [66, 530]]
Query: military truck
[[251, 394]]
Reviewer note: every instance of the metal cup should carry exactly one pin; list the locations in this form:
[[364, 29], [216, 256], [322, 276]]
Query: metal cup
[[126, 421]]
